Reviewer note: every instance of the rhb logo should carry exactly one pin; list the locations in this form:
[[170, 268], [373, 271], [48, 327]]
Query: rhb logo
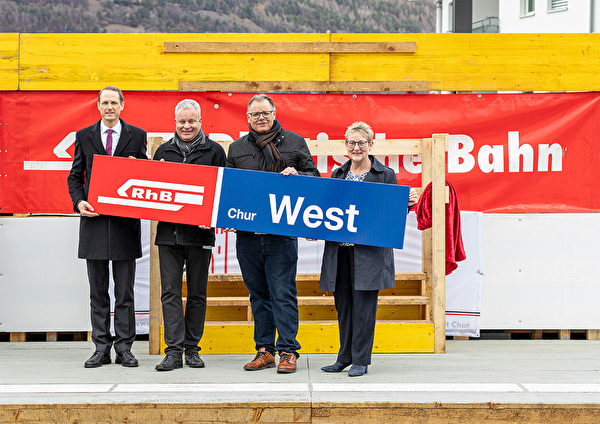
[[159, 195]]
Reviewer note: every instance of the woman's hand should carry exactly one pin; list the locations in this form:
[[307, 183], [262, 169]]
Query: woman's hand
[[413, 197]]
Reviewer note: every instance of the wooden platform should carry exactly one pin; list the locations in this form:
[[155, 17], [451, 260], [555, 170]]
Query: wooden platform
[[320, 412], [485, 381]]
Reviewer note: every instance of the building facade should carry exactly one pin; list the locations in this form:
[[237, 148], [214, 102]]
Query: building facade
[[521, 16]]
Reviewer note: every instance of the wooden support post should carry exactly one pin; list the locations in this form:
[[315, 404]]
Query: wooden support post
[[426, 236], [51, 336], [439, 142], [18, 337], [592, 335], [564, 334], [155, 304]]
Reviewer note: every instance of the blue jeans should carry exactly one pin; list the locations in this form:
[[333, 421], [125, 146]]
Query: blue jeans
[[268, 264]]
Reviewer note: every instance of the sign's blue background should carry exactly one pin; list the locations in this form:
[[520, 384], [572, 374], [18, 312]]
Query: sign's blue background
[[381, 218]]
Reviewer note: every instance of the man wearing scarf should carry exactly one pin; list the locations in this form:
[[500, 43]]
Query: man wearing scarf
[[267, 261], [189, 244]]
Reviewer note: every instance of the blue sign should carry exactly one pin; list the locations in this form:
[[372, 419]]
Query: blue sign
[[312, 207]]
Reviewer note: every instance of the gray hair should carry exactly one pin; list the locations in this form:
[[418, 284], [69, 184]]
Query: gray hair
[[260, 98], [362, 128], [188, 104]]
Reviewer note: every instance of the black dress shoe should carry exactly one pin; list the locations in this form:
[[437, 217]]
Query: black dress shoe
[[337, 367], [357, 370], [169, 363], [97, 360], [126, 359], [193, 360]]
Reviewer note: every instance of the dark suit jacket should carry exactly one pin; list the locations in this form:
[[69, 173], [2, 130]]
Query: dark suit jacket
[[104, 237], [373, 266]]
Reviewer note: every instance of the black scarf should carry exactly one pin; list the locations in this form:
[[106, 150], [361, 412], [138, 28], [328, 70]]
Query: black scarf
[[187, 147], [275, 162]]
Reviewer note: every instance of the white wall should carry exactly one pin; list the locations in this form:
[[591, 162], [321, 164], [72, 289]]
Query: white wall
[[541, 271], [576, 19], [534, 271]]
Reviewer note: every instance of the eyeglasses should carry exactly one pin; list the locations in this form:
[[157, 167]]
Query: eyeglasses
[[352, 143], [256, 115]]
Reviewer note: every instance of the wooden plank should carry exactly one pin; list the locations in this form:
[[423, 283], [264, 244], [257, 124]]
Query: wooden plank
[[300, 86], [9, 61], [155, 318], [564, 334], [154, 413], [303, 412], [320, 337], [481, 62], [438, 249], [289, 47], [454, 413], [592, 334], [426, 235], [18, 337], [400, 276], [78, 61], [380, 147], [320, 300], [458, 62]]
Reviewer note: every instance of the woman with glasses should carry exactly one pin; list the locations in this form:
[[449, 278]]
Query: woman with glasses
[[356, 273]]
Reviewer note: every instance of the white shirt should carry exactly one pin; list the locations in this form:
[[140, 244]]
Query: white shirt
[[115, 135]]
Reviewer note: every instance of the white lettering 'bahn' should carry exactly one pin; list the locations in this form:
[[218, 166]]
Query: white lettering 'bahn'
[[312, 215], [156, 195]]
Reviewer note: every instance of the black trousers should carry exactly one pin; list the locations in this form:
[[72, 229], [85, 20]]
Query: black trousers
[[124, 322], [356, 311], [183, 331]]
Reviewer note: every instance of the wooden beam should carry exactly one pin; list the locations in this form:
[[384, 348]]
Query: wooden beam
[[439, 240], [324, 86], [592, 334], [319, 300], [155, 319], [289, 47], [400, 276], [380, 147]]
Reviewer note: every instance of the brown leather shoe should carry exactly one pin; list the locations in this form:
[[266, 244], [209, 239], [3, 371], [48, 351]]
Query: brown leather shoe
[[287, 363], [262, 360]]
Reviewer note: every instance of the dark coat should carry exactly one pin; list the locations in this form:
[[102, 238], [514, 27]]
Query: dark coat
[[168, 233], [104, 237], [245, 154], [373, 266]]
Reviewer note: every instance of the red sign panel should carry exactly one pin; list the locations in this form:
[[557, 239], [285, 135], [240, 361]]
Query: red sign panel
[[162, 191]]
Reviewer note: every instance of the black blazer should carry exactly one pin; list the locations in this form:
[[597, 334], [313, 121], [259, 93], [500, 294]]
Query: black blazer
[[170, 234], [104, 237]]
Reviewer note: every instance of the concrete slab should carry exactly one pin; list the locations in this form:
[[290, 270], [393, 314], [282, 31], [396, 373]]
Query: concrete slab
[[473, 371]]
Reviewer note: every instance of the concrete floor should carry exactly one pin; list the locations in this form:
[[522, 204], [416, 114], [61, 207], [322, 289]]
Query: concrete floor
[[473, 371]]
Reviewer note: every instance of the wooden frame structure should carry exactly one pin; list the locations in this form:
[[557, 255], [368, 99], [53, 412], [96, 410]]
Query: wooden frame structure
[[229, 325], [312, 62]]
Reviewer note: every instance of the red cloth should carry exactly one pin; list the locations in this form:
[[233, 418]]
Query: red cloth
[[455, 251]]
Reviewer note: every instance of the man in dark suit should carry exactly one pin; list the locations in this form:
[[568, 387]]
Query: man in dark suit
[[108, 238]]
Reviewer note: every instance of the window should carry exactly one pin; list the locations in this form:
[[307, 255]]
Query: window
[[557, 5], [527, 7]]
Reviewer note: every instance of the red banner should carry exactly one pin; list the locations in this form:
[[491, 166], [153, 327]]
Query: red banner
[[507, 153]]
